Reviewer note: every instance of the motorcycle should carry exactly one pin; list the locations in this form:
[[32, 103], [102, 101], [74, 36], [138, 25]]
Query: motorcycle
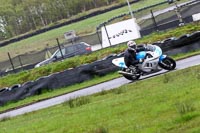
[[153, 61]]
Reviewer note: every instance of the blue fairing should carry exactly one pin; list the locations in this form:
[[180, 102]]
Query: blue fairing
[[140, 55], [162, 57]]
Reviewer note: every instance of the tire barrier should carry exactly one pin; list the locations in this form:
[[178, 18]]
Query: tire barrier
[[57, 80], [172, 43], [85, 72]]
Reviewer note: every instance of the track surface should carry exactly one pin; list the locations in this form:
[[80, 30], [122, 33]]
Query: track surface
[[181, 64]]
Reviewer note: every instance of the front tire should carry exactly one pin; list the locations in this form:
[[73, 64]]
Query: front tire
[[168, 64]]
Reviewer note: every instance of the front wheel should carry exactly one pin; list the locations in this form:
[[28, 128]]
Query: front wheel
[[168, 63]]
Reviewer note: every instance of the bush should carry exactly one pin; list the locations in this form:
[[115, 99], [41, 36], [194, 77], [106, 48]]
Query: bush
[[72, 103]]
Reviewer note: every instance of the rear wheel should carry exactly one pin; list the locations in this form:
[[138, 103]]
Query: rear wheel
[[168, 63], [131, 77]]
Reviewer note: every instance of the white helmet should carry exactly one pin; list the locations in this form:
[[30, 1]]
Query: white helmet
[[131, 45]]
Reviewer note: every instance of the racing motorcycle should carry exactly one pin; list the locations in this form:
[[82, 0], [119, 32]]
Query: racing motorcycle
[[153, 61]]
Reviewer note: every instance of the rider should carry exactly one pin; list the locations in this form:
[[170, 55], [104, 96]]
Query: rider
[[130, 53]]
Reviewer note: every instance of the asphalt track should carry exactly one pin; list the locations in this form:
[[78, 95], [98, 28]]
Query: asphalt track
[[181, 64]]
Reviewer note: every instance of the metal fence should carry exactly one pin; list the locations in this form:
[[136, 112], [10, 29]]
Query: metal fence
[[29, 60], [176, 15], [152, 20]]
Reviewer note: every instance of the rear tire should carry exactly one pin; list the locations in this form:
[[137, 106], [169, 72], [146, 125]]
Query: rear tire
[[168, 64], [131, 77]]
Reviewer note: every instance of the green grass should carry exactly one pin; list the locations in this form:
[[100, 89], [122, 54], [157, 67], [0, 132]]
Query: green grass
[[148, 106], [76, 61], [40, 41], [61, 91]]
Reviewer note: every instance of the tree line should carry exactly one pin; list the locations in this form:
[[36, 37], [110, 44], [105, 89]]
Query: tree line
[[21, 16]]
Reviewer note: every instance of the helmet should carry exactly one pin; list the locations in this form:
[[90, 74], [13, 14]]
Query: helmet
[[131, 45]]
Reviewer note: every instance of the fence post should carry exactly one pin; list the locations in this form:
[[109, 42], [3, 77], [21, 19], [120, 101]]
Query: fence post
[[178, 13], [154, 21], [72, 41], [47, 54], [47, 51], [107, 34], [59, 48], [20, 61], [11, 62], [99, 37]]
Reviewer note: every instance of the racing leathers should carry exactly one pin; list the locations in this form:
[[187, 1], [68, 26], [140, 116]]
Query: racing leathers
[[130, 55]]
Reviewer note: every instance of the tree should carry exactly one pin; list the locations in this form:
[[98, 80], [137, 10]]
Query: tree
[[20, 16]]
